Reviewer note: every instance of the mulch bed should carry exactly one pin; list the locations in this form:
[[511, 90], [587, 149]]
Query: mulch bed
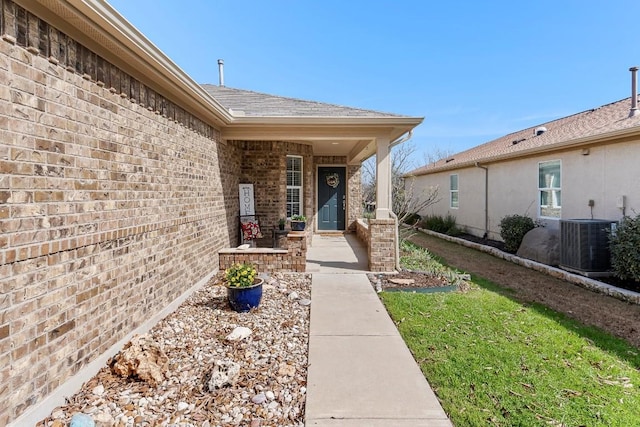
[[412, 280]]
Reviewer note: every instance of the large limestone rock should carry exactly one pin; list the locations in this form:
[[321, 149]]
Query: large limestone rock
[[143, 359], [541, 245]]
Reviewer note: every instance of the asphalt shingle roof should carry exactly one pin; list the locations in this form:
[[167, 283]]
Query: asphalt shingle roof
[[255, 104], [591, 123]]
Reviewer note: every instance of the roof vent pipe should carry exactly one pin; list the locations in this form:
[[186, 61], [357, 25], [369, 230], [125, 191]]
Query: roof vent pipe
[[221, 71], [634, 92]]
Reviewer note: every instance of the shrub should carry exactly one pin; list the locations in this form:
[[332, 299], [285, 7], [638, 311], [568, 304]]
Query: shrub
[[411, 219], [439, 224], [625, 249], [513, 228]]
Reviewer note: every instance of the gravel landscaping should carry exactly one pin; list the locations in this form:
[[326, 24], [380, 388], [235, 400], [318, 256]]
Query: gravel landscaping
[[201, 366]]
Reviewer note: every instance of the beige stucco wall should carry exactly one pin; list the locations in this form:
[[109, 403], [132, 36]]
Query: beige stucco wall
[[605, 173]]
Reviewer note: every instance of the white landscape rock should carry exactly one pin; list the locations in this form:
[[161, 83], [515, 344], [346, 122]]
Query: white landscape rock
[[402, 281], [239, 333], [224, 372], [259, 398], [103, 419], [98, 390]]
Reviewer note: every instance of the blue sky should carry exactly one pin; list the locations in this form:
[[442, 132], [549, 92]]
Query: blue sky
[[476, 70]]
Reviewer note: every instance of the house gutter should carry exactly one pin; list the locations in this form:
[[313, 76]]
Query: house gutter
[[486, 199], [401, 139]]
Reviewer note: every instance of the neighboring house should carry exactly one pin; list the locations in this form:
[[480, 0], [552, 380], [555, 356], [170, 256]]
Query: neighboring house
[[578, 167], [119, 184]]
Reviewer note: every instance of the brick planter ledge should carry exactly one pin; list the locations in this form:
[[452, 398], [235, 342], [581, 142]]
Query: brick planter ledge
[[268, 260]]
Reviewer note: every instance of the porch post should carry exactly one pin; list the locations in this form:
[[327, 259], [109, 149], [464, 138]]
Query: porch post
[[383, 178]]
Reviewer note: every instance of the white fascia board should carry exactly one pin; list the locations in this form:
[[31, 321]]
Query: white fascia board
[[328, 120]]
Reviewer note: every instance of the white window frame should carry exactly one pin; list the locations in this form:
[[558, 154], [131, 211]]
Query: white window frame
[[298, 188], [452, 191], [554, 190]]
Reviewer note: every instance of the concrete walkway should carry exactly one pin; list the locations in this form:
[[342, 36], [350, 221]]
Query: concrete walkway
[[361, 373]]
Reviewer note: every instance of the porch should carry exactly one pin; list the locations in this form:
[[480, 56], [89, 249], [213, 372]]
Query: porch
[[332, 252], [304, 158]]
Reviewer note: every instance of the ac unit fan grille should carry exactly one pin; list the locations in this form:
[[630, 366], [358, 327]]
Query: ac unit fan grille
[[584, 245]]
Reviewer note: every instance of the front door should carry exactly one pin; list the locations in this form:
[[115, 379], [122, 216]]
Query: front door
[[332, 199]]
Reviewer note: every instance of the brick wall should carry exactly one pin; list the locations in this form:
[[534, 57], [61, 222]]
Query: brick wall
[[264, 164], [291, 258], [109, 210], [362, 231], [379, 237], [354, 195], [382, 245]]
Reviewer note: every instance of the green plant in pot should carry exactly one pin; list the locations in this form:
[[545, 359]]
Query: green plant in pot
[[244, 288], [298, 222], [281, 223]]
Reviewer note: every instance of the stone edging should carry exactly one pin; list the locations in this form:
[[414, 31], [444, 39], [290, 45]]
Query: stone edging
[[585, 282]]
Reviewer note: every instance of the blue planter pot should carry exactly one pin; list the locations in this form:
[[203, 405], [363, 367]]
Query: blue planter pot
[[244, 299], [298, 225]]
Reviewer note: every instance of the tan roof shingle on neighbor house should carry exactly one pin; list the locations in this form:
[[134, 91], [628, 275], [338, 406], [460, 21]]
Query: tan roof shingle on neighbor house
[[602, 123]]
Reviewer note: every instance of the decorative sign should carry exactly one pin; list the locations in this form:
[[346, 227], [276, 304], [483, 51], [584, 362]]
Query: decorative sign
[[247, 206], [333, 180]]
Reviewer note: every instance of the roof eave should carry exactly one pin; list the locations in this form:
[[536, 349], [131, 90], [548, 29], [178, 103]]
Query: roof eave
[[318, 127], [326, 120], [572, 143]]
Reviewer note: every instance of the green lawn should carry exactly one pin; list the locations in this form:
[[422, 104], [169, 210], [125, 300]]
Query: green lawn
[[493, 361]]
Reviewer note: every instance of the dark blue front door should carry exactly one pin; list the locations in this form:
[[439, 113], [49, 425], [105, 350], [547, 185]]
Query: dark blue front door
[[332, 200]]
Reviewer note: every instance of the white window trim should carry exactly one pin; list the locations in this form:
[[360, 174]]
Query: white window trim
[[554, 188], [300, 187], [451, 191]]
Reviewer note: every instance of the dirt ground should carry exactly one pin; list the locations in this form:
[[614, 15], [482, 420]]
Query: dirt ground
[[403, 280], [619, 318]]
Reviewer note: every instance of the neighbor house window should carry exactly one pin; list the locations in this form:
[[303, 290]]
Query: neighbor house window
[[294, 186], [453, 190], [549, 184]]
